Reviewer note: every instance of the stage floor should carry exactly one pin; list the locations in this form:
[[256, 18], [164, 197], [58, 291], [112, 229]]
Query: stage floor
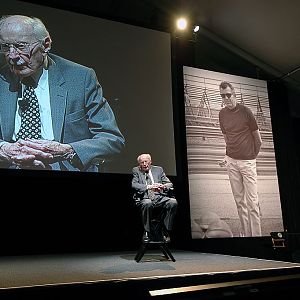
[[116, 269], [32, 270]]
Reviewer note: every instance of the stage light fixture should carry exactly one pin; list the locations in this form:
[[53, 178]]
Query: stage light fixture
[[278, 239], [182, 23], [196, 28]]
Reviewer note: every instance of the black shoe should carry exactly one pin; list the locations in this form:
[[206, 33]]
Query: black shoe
[[166, 237], [146, 237]]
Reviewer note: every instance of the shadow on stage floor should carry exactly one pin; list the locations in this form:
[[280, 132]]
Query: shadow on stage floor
[[193, 275]]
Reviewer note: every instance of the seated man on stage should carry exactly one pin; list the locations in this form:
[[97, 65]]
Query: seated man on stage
[[152, 188]]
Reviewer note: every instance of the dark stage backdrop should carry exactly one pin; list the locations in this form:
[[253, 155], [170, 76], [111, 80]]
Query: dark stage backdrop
[[133, 65]]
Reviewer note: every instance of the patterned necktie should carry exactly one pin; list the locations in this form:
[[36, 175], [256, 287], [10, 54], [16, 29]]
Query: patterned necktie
[[30, 115], [151, 193]]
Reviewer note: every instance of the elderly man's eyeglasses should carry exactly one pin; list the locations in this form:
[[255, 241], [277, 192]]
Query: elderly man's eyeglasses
[[19, 47], [228, 95]]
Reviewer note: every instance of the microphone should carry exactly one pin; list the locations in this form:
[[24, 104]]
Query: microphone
[[23, 104]]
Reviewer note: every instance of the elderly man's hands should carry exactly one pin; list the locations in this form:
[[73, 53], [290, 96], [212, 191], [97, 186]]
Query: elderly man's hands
[[35, 153], [23, 156], [54, 148], [156, 187]]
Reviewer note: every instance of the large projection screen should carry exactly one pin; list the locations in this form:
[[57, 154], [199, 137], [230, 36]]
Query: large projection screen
[[212, 207], [133, 66]]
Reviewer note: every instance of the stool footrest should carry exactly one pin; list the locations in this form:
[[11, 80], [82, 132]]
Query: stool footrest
[[162, 245]]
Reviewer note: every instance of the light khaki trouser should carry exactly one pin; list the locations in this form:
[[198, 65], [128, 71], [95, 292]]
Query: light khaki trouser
[[243, 180]]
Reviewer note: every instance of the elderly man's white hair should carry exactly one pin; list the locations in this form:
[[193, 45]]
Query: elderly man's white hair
[[144, 154]]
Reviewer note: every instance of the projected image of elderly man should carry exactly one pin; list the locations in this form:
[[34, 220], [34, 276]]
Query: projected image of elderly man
[[52, 111], [243, 143]]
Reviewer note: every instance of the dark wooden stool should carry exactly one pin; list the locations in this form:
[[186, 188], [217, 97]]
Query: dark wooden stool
[[156, 240]]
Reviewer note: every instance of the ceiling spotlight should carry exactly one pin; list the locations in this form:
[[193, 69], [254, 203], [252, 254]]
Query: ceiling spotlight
[[181, 24], [196, 28]]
